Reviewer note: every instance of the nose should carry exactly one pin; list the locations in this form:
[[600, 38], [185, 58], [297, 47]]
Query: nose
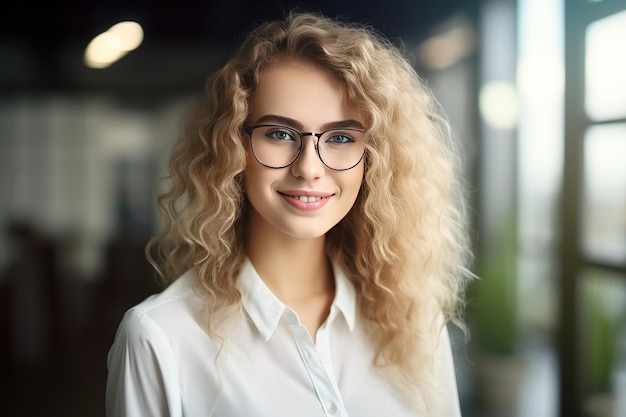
[[308, 166]]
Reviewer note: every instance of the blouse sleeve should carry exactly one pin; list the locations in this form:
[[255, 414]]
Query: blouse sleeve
[[142, 379], [444, 365]]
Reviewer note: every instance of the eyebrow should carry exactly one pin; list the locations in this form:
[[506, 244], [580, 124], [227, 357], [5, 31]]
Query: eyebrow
[[287, 121]]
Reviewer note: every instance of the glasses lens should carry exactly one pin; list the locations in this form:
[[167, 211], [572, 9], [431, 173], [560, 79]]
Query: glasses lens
[[342, 149], [275, 146]]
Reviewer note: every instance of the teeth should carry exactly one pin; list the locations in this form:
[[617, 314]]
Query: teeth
[[306, 199]]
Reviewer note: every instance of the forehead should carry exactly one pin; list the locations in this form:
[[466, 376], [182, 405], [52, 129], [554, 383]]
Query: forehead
[[301, 91]]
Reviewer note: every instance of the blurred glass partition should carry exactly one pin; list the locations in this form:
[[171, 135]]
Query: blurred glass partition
[[604, 193], [593, 211], [605, 66]]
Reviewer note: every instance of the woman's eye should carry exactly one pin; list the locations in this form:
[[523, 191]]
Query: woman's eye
[[280, 135], [339, 138]]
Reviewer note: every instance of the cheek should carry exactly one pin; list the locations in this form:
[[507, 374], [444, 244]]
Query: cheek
[[253, 168], [249, 174], [352, 183], [258, 182], [253, 192], [249, 155], [359, 176]]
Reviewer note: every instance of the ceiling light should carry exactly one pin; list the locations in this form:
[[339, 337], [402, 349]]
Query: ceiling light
[[108, 47]]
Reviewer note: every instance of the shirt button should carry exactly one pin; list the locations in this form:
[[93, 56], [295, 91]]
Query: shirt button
[[332, 409]]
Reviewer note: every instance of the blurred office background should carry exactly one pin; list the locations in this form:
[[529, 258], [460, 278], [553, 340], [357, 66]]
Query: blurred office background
[[535, 91]]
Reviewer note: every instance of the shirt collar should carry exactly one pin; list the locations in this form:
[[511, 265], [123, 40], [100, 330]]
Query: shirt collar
[[265, 309], [345, 297]]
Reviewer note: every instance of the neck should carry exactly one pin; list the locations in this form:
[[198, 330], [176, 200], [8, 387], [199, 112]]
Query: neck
[[294, 269]]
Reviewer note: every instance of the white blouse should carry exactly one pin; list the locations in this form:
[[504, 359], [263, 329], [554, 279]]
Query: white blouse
[[163, 363]]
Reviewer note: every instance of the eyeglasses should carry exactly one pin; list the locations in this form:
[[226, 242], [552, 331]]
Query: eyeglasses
[[276, 146]]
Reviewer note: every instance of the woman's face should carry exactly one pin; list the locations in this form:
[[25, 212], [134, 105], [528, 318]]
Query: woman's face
[[306, 199]]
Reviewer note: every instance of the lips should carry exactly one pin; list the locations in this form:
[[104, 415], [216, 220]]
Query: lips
[[305, 197], [305, 200]]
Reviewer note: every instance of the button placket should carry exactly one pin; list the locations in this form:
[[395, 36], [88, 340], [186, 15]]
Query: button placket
[[323, 351], [325, 387]]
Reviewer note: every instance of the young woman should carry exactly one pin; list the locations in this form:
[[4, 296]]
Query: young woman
[[314, 244]]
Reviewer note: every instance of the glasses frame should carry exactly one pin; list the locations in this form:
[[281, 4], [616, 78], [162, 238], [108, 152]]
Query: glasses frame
[[250, 129]]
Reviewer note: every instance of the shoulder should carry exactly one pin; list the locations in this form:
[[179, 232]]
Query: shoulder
[[176, 298], [179, 290], [178, 306], [142, 363]]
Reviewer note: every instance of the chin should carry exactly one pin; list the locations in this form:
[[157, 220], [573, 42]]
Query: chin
[[306, 232]]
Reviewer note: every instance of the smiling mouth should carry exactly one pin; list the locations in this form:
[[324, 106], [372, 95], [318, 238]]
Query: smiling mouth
[[304, 198]]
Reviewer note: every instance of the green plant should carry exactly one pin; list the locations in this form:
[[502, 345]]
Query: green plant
[[492, 307], [600, 332]]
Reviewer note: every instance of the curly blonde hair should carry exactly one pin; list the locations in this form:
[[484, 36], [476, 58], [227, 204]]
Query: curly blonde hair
[[404, 243]]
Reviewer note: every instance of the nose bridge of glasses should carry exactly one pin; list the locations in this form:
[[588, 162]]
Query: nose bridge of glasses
[[316, 139], [305, 134]]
